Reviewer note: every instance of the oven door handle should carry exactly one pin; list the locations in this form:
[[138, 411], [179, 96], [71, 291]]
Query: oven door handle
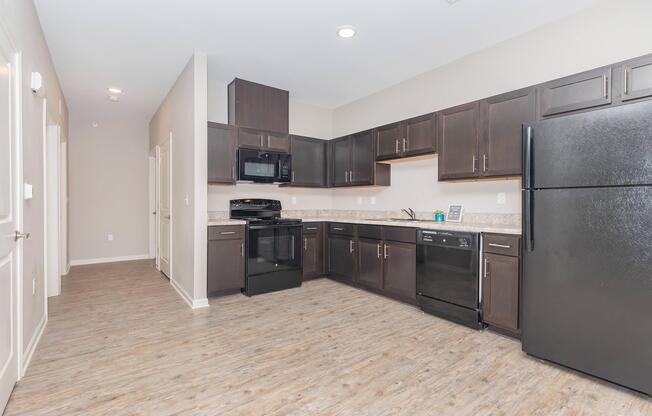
[[263, 227]]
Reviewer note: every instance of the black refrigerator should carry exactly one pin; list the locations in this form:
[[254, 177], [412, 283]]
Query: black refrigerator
[[587, 233]]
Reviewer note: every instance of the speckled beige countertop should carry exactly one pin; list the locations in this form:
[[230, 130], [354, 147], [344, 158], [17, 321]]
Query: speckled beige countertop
[[473, 222]]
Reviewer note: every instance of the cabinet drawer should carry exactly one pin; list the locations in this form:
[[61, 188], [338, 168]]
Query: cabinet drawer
[[505, 244], [226, 232], [341, 228], [312, 228], [374, 232], [401, 234]]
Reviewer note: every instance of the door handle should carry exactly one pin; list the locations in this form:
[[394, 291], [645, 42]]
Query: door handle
[[350, 246], [21, 236], [528, 210], [385, 251], [527, 157]]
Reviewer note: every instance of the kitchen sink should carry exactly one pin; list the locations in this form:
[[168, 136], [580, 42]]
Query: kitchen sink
[[398, 220]]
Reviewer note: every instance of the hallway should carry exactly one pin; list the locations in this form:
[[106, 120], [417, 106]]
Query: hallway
[[120, 341]]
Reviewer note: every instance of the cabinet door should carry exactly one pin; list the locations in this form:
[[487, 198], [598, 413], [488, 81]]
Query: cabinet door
[[341, 255], [277, 141], [637, 79], [577, 92], [370, 263], [388, 141], [363, 160], [400, 269], [501, 291], [502, 119], [308, 161], [458, 142], [221, 153], [341, 161], [312, 255], [250, 138], [420, 136], [226, 265]]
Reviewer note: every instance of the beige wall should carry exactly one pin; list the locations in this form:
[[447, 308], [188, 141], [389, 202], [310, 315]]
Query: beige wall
[[183, 113], [21, 22], [108, 190], [608, 33]]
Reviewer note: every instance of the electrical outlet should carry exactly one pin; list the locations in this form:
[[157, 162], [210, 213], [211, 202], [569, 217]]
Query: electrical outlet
[[109, 237], [294, 200], [187, 200], [359, 200], [372, 200], [501, 198], [33, 286]]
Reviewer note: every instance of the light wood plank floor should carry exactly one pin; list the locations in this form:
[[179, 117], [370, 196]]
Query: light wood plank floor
[[121, 342]]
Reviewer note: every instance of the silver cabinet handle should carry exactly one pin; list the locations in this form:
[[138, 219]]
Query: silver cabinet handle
[[242, 253], [486, 263], [378, 250], [292, 175], [311, 228], [351, 176], [346, 176], [338, 229], [269, 142], [605, 80], [475, 159], [227, 232], [404, 145], [18, 236], [385, 252], [626, 89], [499, 245], [233, 172], [350, 246], [261, 141], [396, 146], [484, 163], [305, 244]]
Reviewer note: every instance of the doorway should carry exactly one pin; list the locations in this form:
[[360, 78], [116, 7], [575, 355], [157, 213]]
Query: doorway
[[52, 182], [164, 210]]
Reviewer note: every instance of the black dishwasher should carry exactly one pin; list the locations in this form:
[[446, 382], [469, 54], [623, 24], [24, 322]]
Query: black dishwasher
[[448, 276]]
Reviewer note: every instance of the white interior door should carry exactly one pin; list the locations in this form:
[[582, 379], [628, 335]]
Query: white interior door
[[9, 221], [52, 184], [164, 211]]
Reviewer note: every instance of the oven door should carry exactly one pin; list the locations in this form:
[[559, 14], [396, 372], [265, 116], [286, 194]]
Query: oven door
[[273, 248], [449, 274]]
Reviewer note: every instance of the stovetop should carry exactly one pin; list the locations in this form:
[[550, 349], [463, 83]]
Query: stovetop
[[259, 212], [272, 221]]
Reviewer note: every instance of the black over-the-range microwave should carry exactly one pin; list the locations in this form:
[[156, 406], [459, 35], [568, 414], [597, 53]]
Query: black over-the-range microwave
[[264, 166]]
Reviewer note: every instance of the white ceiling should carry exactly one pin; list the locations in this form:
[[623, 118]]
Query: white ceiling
[[142, 45]]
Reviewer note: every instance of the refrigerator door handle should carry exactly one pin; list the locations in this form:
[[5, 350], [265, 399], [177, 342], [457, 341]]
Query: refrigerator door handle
[[528, 218], [527, 157]]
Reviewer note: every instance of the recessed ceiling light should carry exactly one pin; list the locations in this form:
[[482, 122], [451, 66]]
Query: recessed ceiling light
[[451, 2], [94, 124], [114, 90], [114, 98], [346, 31]]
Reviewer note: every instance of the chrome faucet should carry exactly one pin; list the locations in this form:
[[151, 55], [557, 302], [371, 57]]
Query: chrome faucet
[[410, 212]]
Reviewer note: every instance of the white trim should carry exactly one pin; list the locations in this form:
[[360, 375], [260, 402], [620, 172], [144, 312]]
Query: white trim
[[33, 343], [66, 270], [109, 259], [194, 304]]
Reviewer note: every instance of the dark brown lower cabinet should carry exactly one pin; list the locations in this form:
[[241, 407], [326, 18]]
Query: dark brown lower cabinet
[[341, 257], [370, 263], [313, 250], [501, 283], [226, 260], [400, 277]]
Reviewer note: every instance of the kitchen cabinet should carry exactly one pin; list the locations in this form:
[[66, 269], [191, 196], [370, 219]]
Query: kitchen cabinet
[[353, 162], [577, 92], [226, 259], [416, 136], [221, 153], [341, 257], [258, 106], [503, 118], [263, 140], [458, 141], [308, 161], [400, 273], [370, 263], [313, 250], [501, 283], [636, 76]]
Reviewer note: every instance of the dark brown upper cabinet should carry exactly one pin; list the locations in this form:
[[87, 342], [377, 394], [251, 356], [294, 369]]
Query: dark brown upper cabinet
[[458, 141], [353, 162], [258, 106], [416, 136], [221, 153], [503, 118], [636, 76], [577, 92], [308, 162], [264, 140]]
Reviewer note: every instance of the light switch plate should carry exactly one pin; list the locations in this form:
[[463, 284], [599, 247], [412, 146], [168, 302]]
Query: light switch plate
[[501, 198], [294, 200], [359, 200], [28, 191]]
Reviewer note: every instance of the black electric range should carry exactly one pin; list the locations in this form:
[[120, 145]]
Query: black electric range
[[273, 246]]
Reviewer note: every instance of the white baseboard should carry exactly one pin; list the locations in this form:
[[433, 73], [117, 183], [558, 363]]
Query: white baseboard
[[109, 260], [33, 343], [193, 303], [66, 270]]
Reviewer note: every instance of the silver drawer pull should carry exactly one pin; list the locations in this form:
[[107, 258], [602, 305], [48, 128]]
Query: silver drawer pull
[[499, 245], [227, 232], [311, 228], [338, 229]]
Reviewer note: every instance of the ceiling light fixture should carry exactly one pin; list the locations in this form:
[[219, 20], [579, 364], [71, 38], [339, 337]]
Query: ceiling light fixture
[[346, 31], [114, 90], [114, 98]]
